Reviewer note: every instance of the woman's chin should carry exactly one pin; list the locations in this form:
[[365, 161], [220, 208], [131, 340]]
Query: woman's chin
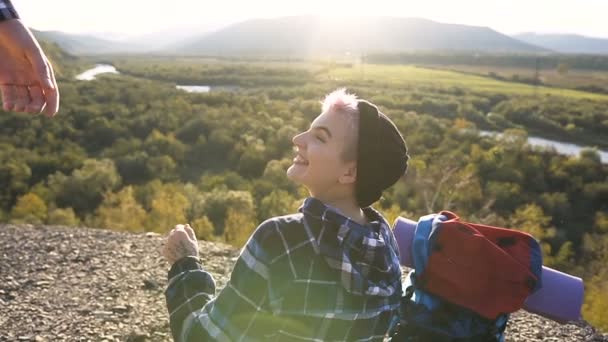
[[294, 173]]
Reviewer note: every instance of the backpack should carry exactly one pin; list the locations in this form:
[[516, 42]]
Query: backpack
[[467, 278]]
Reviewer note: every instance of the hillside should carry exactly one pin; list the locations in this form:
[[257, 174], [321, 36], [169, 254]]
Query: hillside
[[566, 43], [82, 44], [313, 35], [65, 65], [305, 36], [64, 284]]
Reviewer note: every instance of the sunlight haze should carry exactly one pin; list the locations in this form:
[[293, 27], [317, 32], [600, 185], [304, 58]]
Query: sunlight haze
[[138, 16]]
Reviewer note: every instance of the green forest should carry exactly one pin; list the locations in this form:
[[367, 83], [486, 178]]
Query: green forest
[[130, 152]]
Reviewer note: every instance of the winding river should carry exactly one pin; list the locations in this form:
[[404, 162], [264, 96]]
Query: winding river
[[90, 74], [568, 149]]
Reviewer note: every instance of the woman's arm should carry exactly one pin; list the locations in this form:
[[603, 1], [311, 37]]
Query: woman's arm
[[189, 289], [240, 309]]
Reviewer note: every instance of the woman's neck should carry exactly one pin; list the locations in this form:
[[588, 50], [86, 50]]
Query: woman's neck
[[347, 206]]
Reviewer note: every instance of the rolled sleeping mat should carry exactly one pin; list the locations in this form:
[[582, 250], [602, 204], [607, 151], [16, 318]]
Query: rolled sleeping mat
[[404, 229], [560, 298]]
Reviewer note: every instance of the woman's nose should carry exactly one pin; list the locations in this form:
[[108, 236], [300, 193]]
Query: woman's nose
[[298, 139]]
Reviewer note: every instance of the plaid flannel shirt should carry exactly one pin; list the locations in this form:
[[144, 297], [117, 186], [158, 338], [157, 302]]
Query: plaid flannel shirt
[[311, 276], [7, 11]]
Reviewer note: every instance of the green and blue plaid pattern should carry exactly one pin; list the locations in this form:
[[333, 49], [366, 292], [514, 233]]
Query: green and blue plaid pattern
[[312, 276]]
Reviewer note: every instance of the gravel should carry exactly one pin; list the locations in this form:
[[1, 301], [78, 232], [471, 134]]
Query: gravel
[[82, 284]]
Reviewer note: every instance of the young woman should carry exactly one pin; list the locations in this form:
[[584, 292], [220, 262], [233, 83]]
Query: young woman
[[328, 273]]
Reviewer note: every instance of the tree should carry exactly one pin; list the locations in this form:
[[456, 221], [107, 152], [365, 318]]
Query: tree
[[83, 190], [393, 212], [596, 302], [203, 228], [14, 177], [158, 144], [276, 173], [238, 226], [120, 211], [278, 202], [601, 222], [531, 219], [29, 209], [443, 183], [219, 201], [162, 167], [63, 217], [168, 209], [146, 193]]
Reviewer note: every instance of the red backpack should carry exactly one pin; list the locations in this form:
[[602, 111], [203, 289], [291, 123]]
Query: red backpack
[[467, 278], [486, 269]]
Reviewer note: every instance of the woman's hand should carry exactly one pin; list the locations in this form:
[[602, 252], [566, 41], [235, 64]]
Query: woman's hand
[[181, 242]]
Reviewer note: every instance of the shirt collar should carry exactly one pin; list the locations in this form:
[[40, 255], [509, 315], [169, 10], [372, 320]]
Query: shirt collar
[[367, 255], [315, 207]]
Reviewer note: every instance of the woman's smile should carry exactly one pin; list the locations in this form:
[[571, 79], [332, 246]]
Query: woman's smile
[[299, 160]]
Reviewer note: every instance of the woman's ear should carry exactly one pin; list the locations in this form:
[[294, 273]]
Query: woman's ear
[[350, 174]]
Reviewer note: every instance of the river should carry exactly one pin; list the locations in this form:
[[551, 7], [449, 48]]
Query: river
[[90, 74], [560, 147]]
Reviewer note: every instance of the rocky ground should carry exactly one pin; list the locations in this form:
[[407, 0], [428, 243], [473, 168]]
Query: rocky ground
[[78, 284]]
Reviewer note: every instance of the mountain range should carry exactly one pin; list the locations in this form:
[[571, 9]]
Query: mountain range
[[314, 36], [566, 43]]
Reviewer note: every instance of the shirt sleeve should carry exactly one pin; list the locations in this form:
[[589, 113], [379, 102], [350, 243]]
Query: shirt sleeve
[[7, 11], [240, 310], [189, 289]]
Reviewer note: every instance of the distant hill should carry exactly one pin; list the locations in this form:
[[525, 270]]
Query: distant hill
[[64, 63], [314, 35], [566, 43], [82, 44], [109, 43], [303, 36]]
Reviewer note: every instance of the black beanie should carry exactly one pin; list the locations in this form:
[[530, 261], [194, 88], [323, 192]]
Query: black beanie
[[381, 154]]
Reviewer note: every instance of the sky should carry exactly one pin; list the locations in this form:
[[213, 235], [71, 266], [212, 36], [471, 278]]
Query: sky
[[586, 17]]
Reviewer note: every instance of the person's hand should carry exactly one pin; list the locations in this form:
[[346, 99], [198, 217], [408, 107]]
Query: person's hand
[[181, 242], [27, 81]]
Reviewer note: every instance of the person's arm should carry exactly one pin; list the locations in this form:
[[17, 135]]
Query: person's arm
[[240, 309], [27, 81], [7, 11], [189, 289]]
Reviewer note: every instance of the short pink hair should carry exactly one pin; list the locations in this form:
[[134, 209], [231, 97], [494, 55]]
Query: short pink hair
[[340, 101]]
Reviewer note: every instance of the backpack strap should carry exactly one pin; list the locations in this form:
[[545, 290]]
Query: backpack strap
[[444, 324]]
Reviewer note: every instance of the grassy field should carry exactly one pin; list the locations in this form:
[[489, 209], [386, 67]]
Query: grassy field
[[573, 78], [396, 75], [472, 78]]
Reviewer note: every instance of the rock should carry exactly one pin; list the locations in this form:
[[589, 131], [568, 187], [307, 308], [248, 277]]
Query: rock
[[150, 284], [121, 308], [138, 337], [101, 313]]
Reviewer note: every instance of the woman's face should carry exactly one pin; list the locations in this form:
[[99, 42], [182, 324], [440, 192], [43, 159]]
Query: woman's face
[[319, 163]]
